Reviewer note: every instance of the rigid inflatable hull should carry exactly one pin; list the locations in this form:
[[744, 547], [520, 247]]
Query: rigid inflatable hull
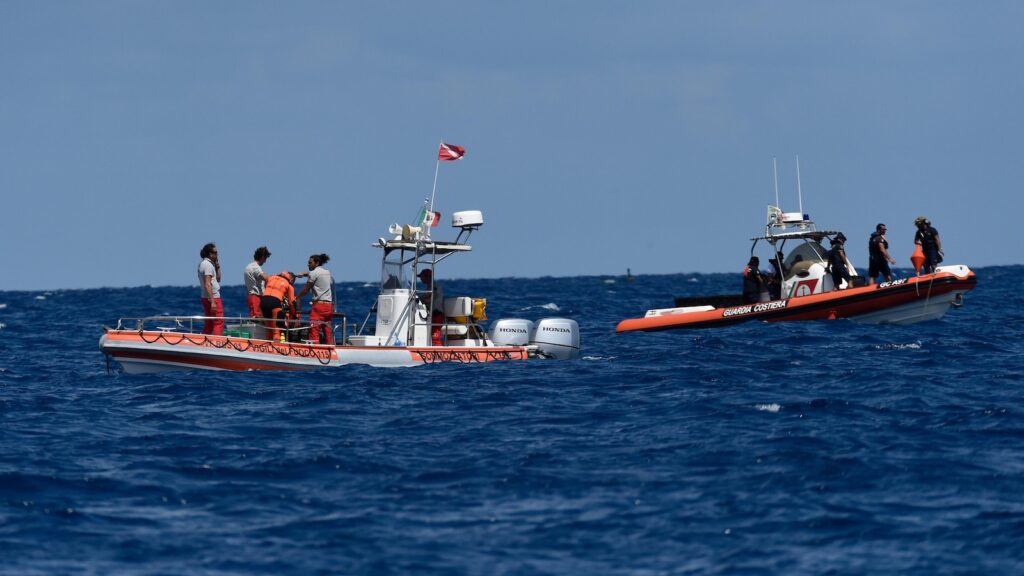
[[903, 301], [157, 351]]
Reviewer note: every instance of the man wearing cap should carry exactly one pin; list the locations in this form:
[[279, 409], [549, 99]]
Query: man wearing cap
[[753, 281], [277, 294], [837, 263], [928, 238], [878, 255]]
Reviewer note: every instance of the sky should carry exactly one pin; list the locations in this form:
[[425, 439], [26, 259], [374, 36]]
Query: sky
[[600, 136]]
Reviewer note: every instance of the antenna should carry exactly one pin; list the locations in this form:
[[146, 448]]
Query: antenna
[[799, 194], [775, 172]]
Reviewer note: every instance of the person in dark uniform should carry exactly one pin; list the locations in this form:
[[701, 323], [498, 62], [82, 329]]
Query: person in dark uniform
[[837, 262], [775, 281], [878, 255], [753, 281], [931, 244]]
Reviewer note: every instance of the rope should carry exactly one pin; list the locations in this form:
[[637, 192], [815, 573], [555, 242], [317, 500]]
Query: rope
[[301, 351]]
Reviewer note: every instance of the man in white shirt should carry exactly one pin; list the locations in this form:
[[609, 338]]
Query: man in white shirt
[[209, 286], [255, 280]]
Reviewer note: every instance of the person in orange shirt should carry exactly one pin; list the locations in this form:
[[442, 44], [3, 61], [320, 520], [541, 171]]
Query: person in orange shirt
[[277, 294]]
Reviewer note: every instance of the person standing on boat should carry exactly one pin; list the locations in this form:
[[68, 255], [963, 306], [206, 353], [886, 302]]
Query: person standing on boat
[[753, 281], [775, 280], [878, 255], [435, 301], [255, 280], [837, 262], [931, 244], [278, 294], [322, 309], [209, 286]]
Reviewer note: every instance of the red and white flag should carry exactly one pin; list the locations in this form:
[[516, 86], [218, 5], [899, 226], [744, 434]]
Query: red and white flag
[[449, 152]]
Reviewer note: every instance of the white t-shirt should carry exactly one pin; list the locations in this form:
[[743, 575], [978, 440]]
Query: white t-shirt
[[320, 278], [206, 268], [254, 279]]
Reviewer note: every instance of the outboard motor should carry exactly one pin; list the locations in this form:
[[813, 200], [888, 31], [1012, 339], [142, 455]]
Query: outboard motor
[[557, 338], [512, 332]]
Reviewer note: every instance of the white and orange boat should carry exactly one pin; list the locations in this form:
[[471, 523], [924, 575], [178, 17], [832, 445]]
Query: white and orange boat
[[807, 291], [405, 331]]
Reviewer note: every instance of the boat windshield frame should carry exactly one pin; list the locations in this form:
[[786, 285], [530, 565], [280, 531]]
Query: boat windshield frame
[[778, 242]]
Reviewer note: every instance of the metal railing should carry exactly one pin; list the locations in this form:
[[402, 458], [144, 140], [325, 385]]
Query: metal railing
[[234, 326]]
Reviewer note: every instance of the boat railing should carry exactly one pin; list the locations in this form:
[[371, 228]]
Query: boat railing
[[234, 325]]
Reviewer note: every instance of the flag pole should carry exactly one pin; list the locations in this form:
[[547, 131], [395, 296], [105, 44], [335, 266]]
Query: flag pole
[[437, 165]]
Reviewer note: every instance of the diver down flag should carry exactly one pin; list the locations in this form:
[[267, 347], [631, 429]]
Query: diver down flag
[[450, 152]]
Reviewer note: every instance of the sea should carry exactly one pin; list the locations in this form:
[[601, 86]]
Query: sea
[[823, 447]]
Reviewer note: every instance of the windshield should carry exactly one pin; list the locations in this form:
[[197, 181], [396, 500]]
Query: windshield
[[808, 251], [392, 272]]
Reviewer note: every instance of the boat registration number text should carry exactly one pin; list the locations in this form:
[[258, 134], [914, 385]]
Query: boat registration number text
[[893, 283], [752, 308]]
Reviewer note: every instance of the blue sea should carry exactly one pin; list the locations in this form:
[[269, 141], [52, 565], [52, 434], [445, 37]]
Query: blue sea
[[793, 448]]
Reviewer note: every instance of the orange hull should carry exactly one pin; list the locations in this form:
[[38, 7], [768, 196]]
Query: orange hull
[[879, 302]]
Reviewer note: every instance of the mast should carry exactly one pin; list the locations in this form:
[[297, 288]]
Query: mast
[[775, 173], [799, 194]]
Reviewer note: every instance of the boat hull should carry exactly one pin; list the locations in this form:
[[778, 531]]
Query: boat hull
[[140, 352], [904, 301]]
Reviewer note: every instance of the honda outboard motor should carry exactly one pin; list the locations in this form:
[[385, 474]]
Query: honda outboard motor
[[512, 332], [557, 338]]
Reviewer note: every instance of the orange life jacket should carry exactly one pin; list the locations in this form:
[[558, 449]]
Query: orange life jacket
[[278, 287]]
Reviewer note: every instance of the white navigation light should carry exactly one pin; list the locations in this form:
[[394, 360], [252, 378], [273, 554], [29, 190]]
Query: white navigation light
[[467, 219]]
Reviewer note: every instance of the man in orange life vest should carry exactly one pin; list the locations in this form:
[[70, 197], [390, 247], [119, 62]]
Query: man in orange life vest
[[278, 293]]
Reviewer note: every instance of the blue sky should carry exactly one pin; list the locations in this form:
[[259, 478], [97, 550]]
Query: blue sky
[[599, 135]]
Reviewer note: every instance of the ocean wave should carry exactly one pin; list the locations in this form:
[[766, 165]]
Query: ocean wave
[[645, 451]]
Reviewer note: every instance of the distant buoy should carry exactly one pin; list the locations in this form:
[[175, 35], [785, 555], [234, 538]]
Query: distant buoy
[[917, 259]]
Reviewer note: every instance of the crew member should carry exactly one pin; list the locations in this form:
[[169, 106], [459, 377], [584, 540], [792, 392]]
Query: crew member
[[753, 281], [255, 279], [931, 244], [435, 300], [209, 287], [775, 281], [277, 294], [837, 263], [322, 309], [878, 255]]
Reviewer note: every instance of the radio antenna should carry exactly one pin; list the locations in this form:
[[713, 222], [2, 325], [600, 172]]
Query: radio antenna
[[775, 173], [799, 194]]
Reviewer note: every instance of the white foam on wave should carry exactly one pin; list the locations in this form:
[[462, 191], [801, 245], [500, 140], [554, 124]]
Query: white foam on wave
[[549, 306], [895, 346], [773, 407], [2, 325], [609, 281], [598, 358], [2, 306], [693, 279], [40, 297]]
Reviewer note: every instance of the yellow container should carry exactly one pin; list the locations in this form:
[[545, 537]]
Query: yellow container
[[479, 309]]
